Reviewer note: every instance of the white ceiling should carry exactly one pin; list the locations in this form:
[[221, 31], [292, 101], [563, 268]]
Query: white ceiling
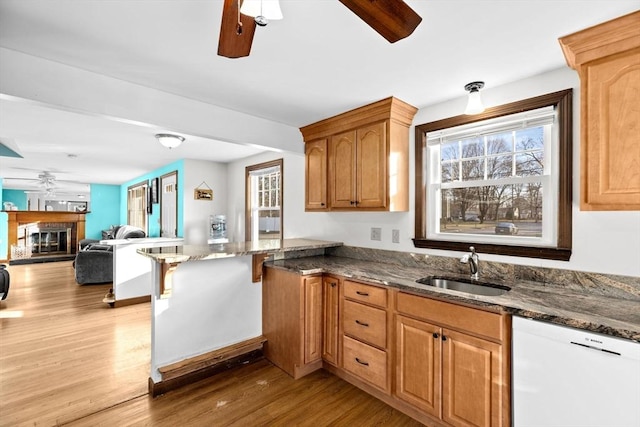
[[320, 60]]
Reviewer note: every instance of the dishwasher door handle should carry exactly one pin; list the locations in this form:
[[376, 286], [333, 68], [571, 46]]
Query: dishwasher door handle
[[596, 348]]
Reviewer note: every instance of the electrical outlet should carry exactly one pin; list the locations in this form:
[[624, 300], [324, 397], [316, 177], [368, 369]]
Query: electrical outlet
[[376, 233], [395, 236]]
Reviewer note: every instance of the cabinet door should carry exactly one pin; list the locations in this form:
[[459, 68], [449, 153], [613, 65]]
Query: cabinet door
[[342, 173], [371, 166], [418, 367], [611, 115], [330, 307], [312, 319], [472, 381], [316, 175]]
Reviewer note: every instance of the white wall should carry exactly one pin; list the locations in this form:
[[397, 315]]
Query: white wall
[[69, 88], [605, 242], [196, 212]]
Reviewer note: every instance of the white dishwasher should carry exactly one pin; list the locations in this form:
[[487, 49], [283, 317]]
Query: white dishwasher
[[569, 377]]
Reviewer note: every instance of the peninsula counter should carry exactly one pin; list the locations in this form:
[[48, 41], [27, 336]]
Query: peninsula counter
[[205, 299]]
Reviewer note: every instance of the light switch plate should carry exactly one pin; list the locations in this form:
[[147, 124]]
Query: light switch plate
[[376, 233]]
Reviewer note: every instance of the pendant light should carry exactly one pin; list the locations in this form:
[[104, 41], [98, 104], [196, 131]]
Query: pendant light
[[474, 104]]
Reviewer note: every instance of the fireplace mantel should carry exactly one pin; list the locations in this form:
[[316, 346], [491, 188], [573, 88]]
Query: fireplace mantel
[[17, 218]]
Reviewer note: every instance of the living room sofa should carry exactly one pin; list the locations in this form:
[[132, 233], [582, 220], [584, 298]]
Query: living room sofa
[[94, 261]]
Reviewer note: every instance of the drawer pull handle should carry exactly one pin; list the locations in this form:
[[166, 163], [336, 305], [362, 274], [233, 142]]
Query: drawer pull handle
[[361, 362], [364, 294], [362, 323]]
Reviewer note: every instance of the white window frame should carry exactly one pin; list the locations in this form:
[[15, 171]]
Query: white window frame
[[545, 117]]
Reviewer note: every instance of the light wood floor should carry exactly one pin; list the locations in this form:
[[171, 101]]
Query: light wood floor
[[67, 358]]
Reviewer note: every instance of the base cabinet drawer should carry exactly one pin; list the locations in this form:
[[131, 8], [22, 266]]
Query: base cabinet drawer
[[365, 362], [367, 294], [365, 323]]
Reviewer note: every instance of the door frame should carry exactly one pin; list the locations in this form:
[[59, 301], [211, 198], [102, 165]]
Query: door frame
[[247, 195], [161, 193]]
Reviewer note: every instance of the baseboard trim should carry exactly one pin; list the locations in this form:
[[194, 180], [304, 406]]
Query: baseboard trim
[[164, 386], [131, 301], [205, 365]]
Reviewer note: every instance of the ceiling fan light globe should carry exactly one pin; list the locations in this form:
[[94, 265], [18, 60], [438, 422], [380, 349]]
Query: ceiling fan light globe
[[268, 9]]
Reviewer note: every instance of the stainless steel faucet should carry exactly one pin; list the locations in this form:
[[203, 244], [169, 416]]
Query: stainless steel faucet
[[473, 260]]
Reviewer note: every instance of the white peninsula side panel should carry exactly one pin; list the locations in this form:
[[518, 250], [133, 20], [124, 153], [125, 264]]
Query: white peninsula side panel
[[213, 304], [132, 272]]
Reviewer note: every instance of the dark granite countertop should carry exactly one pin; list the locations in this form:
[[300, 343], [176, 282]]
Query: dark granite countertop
[[597, 313], [183, 253]]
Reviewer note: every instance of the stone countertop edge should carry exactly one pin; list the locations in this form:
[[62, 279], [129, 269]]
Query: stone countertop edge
[[184, 253], [141, 241], [553, 304]]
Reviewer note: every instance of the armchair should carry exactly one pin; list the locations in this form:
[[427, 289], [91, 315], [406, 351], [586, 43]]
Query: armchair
[[94, 261]]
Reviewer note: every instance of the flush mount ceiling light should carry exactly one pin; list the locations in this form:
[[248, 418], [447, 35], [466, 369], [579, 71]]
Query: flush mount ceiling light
[[262, 10], [474, 105], [168, 140]]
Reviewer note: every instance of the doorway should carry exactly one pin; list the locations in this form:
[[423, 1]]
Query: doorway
[[264, 189], [169, 205], [137, 199]]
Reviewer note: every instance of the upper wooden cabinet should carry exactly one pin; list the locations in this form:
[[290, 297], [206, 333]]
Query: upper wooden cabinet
[[315, 194], [367, 159], [607, 58]]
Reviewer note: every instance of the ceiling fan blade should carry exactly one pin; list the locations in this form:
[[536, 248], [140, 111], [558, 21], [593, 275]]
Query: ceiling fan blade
[[231, 44], [392, 19]]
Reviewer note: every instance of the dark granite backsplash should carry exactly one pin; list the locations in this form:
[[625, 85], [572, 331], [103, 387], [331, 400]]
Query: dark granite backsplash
[[614, 286]]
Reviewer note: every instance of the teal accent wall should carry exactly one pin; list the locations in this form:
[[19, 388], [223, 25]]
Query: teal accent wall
[[154, 218], [104, 209], [4, 228], [17, 197]]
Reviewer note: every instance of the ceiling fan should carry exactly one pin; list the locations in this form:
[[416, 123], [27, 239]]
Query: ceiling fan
[[392, 19]]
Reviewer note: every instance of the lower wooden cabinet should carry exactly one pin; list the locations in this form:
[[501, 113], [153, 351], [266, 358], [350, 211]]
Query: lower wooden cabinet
[[439, 362], [366, 362], [292, 321], [418, 365], [330, 318], [472, 380], [458, 376]]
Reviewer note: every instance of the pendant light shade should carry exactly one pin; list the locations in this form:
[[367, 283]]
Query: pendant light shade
[[474, 104], [168, 140], [265, 9]]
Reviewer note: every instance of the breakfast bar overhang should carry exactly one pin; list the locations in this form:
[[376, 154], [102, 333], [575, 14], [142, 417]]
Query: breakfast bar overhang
[[206, 302]]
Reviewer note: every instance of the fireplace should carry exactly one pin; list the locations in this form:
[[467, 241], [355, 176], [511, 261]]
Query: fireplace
[[45, 234], [50, 241]]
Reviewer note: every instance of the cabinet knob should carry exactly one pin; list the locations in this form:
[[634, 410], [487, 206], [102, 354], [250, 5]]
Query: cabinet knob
[[333, 284], [435, 335], [361, 362], [362, 323], [444, 338], [321, 204]]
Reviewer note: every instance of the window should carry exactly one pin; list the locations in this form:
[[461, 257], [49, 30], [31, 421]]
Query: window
[[264, 201], [500, 180], [137, 205]]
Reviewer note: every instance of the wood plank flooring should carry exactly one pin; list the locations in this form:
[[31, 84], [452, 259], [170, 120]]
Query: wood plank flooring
[[66, 358]]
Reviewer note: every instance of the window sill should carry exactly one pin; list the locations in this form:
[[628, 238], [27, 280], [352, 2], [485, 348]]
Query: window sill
[[557, 254]]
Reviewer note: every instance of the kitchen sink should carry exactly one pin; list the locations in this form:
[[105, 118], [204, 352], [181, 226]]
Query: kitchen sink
[[465, 285]]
